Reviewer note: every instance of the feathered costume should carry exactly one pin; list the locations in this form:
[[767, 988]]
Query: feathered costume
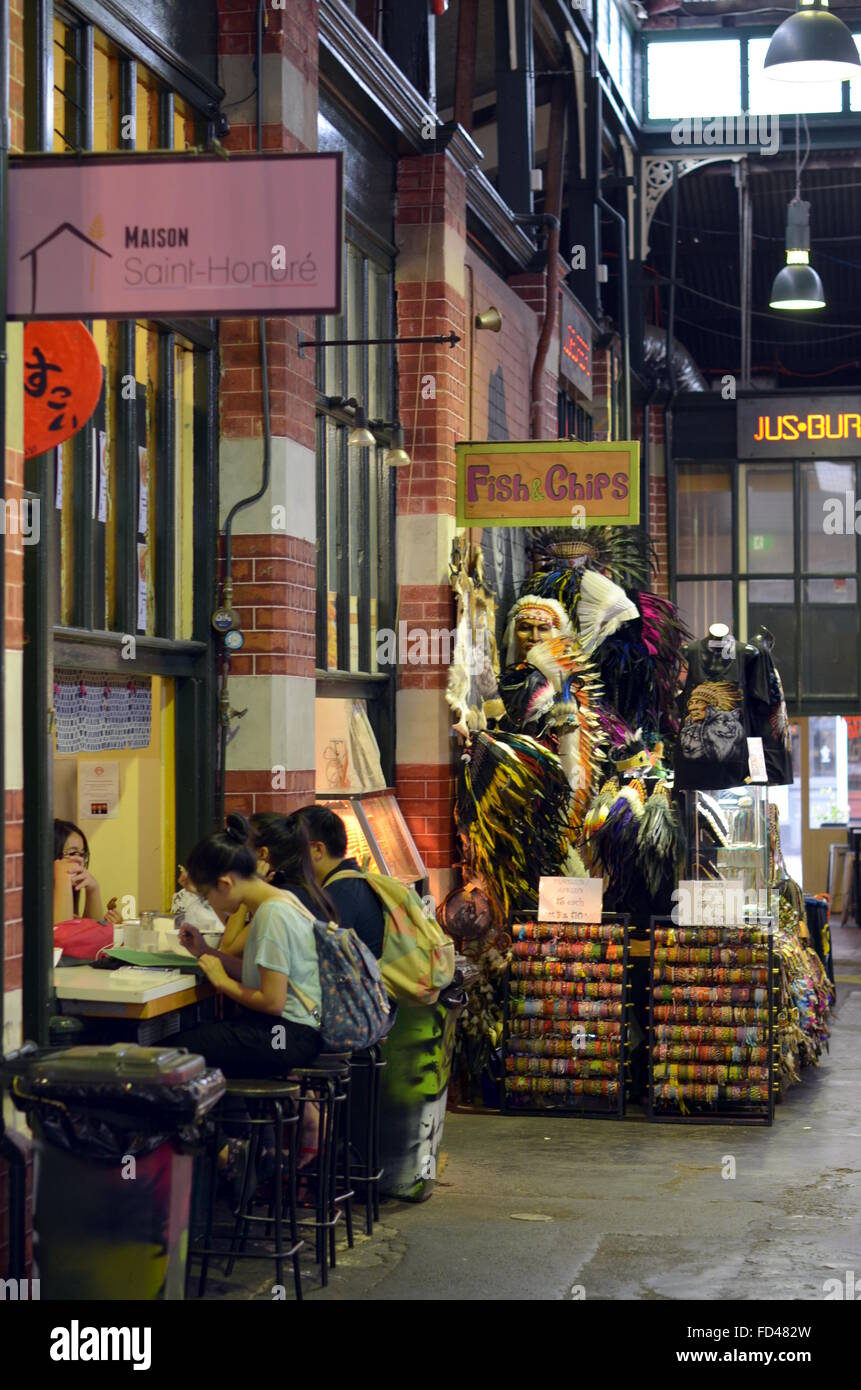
[[636, 636]]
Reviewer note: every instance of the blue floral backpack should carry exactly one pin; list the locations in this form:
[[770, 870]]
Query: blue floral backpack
[[355, 1009]]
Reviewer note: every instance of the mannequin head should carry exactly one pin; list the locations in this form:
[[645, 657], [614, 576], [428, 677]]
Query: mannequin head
[[532, 619]]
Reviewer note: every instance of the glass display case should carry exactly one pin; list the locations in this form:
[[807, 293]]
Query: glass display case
[[728, 837], [377, 833]]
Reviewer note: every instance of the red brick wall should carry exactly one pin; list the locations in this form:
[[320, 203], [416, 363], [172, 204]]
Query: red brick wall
[[274, 592], [426, 796], [658, 526], [253, 791]]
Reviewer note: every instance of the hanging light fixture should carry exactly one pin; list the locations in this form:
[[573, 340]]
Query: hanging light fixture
[[396, 456], [797, 285], [360, 437], [812, 45]]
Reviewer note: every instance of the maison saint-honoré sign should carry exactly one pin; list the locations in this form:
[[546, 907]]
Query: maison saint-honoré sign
[[175, 236], [548, 483], [787, 426]]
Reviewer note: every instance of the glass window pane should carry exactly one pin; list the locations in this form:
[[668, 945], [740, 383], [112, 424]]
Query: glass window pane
[[768, 97], [357, 555], [333, 531], [627, 74], [855, 84], [704, 519], [377, 470], [379, 358], [770, 520], [854, 743], [184, 548], [829, 656], [771, 604], [695, 77], [705, 602], [828, 772], [355, 324], [823, 483], [63, 73]]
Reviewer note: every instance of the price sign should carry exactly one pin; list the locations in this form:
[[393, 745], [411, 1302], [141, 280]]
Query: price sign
[[570, 899]]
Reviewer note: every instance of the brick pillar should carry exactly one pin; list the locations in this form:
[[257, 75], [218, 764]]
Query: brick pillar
[[13, 478], [430, 282], [270, 761], [658, 498]]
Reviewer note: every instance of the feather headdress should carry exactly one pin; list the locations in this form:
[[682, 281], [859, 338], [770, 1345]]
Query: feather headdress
[[620, 552], [602, 608], [574, 714], [660, 839], [513, 808]]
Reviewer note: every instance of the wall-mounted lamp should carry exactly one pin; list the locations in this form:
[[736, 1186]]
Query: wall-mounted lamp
[[491, 319], [397, 456], [360, 437]]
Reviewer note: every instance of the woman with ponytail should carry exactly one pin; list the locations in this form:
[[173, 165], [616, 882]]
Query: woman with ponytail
[[274, 1031]]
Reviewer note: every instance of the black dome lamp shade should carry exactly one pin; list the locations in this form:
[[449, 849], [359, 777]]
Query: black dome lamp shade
[[812, 45], [797, 286]]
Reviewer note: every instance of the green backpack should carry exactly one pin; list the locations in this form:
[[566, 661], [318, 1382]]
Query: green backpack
[[418, 957]]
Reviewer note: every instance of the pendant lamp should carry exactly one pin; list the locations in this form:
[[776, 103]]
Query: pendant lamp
[[812, 45], [797, 285]]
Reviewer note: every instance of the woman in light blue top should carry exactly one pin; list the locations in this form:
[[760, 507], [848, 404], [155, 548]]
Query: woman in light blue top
[[275, 1030]]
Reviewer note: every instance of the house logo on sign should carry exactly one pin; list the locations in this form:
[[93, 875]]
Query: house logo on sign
[[52, 240]]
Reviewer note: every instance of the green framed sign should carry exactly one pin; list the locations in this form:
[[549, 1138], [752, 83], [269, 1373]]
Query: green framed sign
[[548, 483]]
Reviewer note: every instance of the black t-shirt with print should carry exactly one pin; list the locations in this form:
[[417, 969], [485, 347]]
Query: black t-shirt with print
[[768, 717], [711, 752]]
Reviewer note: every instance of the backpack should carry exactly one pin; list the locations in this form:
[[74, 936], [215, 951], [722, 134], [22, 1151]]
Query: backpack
[[418, 957], [355, 1009]]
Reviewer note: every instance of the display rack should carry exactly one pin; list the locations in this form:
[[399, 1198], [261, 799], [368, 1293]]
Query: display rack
[[711, 1024], [728, 836], [565, 1019]]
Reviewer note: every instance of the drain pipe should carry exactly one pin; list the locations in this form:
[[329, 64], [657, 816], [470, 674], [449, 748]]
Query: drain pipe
[[224, 711], [620, 220], [10, 1151], [671, 400], [553, 212]]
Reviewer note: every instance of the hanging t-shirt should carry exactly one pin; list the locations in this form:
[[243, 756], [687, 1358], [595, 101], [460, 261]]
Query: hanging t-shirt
[[769, 720], [711, 752]]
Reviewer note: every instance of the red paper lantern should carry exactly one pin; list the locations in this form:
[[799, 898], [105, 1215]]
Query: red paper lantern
[[62, 383], [439, 7]]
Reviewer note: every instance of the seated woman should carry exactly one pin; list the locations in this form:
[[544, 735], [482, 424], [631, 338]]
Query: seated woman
[[284, 860], [82, 927], [274, 1030]]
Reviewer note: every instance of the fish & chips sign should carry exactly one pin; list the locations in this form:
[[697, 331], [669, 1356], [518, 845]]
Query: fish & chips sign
[[540, 483]]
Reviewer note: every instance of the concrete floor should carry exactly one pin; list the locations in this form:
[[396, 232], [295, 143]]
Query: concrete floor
[[565, 1208]]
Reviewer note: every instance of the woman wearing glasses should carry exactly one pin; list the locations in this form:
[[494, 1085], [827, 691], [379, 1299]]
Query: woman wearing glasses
[[76, 891]]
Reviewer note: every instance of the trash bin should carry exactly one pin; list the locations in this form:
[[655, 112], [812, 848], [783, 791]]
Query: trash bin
[[418, 1055], [114, 1132]]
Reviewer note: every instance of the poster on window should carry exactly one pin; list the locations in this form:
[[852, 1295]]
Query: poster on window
[[102, 450], [143, 493], [141, 588]]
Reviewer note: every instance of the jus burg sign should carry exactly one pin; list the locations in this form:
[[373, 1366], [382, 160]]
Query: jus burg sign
[[541, 483]]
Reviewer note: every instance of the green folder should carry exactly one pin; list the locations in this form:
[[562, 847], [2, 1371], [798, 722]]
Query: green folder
[[155, 960]]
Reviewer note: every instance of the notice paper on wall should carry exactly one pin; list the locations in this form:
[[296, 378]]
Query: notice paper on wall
[[98, 791], [141, 588], [570, 899], [756, 760], [143, 494], [709, 903], [102, 445]]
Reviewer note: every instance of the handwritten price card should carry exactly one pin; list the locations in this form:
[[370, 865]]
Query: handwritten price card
[[570, 899]]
